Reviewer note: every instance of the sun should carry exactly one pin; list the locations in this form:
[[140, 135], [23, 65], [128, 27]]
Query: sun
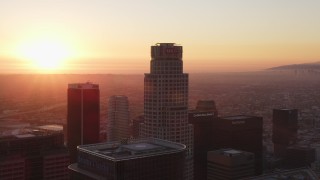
[[45, 54]]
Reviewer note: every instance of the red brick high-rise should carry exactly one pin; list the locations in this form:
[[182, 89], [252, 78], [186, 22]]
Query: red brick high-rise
[[83, 119]]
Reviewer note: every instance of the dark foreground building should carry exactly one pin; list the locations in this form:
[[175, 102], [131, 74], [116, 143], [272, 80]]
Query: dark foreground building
[[285, 127], [292, 174], [299, 156], [83, 119], [141, 159], [135, 126], [243, 133], [33, 154], [202, 119], [230, 164]]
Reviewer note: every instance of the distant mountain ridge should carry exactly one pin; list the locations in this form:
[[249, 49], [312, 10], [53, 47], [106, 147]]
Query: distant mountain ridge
[[304, 66]]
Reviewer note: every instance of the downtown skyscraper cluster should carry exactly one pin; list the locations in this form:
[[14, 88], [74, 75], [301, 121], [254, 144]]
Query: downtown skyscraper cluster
[[165, 106]]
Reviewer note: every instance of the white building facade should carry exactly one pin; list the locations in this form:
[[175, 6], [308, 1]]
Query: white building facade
[[118, 118]]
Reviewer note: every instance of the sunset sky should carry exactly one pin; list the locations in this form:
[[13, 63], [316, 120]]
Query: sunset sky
[[104, 36]]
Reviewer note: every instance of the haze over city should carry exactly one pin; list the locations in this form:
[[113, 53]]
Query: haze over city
[[161, 90], [56, 36]]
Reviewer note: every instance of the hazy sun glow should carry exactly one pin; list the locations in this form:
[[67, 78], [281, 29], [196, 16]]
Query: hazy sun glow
[[79, 36], [45, 54]]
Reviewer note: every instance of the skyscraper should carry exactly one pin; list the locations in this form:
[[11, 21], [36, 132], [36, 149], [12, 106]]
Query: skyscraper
[[243, 133], [83, 116], [166, 100], [118, 118], [202, 119], [285, 127]]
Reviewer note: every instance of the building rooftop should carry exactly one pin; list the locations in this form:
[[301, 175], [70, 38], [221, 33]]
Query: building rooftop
[[87, 85], [51, 127], [24, 135], [140, 147], [165, 44], [230, 152], [285, 109], [231, 157], [132, 149], [237, 117], [31, 131]]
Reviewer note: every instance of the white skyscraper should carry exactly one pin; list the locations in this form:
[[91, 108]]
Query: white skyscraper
[[166, 100], [118, 118]]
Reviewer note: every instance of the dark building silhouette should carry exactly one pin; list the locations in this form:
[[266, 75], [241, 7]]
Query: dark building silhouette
[[285, 127], [243, 133], [83, 119], [139, 159], [299, 156], [136, 125], [34, 154], [202, 119], [230, 164], [166, 100], [292, 174]]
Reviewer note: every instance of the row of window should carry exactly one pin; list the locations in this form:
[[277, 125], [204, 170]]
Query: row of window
[[165, 107], [149, 77], [166, 102], [166, 95], [168, 113], [168, 119], [174, 127], [166, 63], [166, 98], [167, 80], [163, 87]]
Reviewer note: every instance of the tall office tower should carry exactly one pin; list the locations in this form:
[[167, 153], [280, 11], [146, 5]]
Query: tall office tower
[[285, 127], [83, 120], [230, 164], [243, 133], [118, 118], [202, 119], [166, 100], [34, 153], [139, 159]]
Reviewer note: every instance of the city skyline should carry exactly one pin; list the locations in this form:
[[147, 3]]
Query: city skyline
[[165, 105], [90, 37]]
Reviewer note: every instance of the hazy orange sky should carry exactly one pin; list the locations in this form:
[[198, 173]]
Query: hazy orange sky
[[104, 36]]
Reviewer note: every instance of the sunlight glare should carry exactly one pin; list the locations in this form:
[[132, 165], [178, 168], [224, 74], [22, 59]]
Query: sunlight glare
[[45, 54]]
